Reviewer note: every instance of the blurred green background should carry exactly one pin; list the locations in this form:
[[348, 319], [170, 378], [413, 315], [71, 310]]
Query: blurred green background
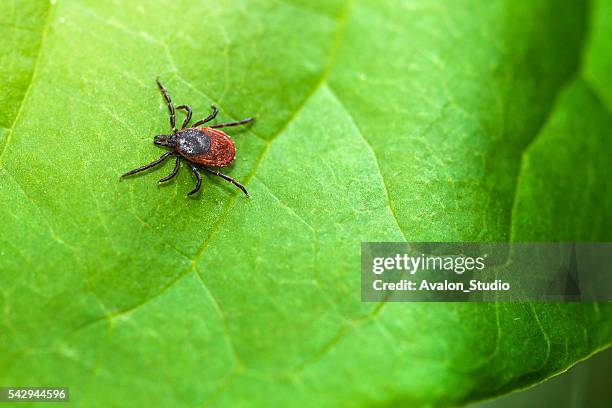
[[588, 384]]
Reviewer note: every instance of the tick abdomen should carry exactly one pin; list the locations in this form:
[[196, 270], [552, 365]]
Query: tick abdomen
[[206, 146]]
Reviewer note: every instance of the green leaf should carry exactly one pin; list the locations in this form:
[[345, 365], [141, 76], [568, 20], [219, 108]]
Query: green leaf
[[376, 121]]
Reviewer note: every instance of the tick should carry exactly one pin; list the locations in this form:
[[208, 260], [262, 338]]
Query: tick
[[200, 146]]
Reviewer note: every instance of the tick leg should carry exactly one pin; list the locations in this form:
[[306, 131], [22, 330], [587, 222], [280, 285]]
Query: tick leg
[[170, 105], [187, 109], [240, 122], [177, 166], [208, 118], [196, 173], [228, 178], [148, 166]]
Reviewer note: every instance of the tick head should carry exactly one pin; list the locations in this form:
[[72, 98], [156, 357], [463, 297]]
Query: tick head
[[165, 140]]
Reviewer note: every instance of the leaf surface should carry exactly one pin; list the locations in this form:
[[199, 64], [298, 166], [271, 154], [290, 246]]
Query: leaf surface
[[376, 121]]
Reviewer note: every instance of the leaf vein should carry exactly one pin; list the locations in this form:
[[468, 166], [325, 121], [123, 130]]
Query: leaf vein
[[26, 95]]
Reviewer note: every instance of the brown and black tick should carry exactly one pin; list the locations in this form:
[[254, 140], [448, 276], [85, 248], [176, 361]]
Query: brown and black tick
[[199, 146]]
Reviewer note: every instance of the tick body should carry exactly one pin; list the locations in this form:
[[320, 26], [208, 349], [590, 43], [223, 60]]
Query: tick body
[[199, 146], [206, 146]]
